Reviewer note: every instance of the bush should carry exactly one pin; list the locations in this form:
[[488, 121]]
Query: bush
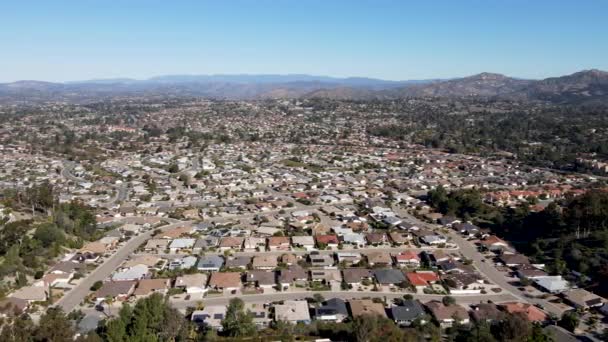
[[97, 285]]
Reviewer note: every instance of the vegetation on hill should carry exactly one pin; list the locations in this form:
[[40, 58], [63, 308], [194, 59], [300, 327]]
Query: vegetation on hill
[[568, 235], [27, 246], [547, 136]]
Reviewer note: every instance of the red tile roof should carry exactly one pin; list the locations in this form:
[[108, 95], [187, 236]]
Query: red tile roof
[[421, 278]]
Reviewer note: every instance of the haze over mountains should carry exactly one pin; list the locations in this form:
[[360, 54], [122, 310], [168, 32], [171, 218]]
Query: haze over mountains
[[589, 86]]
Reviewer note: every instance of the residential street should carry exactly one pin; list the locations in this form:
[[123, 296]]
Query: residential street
[[76, 295]]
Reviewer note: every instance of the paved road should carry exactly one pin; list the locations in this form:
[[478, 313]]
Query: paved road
[[121, 195], [76, 295], [469, 251], [66, 172]]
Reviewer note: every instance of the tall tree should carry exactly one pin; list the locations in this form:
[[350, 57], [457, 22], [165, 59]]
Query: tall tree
[[238, 322]]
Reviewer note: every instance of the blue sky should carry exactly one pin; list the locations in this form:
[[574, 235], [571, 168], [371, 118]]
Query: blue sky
[[74, 40]]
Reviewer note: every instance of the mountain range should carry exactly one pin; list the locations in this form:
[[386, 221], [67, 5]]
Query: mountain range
[[588, 86]]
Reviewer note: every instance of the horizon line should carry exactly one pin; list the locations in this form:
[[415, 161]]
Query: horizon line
[[151, 78]]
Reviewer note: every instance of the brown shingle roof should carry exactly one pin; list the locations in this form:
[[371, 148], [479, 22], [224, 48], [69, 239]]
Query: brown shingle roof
[[225, 279], [146, 286], [360, 307]]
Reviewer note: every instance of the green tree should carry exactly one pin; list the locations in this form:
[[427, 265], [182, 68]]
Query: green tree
[[21, 329], [237, 322], [96, 285], [569, 321], [448, 300], [514, 328], [54, 326]]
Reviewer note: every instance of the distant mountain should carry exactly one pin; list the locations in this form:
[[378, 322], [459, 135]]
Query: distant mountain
[[33, 85], [344, 93], [280, 79], [484, 84], [590, 86]]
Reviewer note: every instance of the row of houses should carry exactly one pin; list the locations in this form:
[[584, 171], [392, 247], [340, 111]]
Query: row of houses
[[404, 313], [278, 243]]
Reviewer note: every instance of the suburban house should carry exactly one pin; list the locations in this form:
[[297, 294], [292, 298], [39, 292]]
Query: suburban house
[[321, 260], [292, 311], [192, 283], [12, 307], [117, 290], [376, 239], [348, 258], [583, 299], [448, 221], [261, 279], [264, 262], [278, 243], [306, 242], [379, 258], [181, 245], [421, 280], [531, 312], [529, 272], [211, 316], [487, 312], [407, 259], [330, 241], [148, 260], [94, 247], [408, 312], [241, 262], [260, 313], [389, 276], [182, 263], [210, 263], [467, 229], [400, 238], [354, 276], [494, 243], [462, 281], [327, 276], [552, 284], [231, 243], [289, 259], [354, 239], [146, 287], [333, 310], [512, 260], [361, 307], [61, 273], [293, 275], [31, 294], [204, 243], [433, 239], [447, 315], [156, 245], [229, 281], [253, 244], [132, 273]]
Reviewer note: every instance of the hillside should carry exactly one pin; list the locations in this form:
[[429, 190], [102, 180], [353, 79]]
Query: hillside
[[484, 84], [589, 86]]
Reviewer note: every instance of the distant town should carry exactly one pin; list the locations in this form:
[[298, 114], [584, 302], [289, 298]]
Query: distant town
[[269, 217]]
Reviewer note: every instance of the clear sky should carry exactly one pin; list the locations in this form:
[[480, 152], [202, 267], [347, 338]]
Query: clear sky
[[58, 40]]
